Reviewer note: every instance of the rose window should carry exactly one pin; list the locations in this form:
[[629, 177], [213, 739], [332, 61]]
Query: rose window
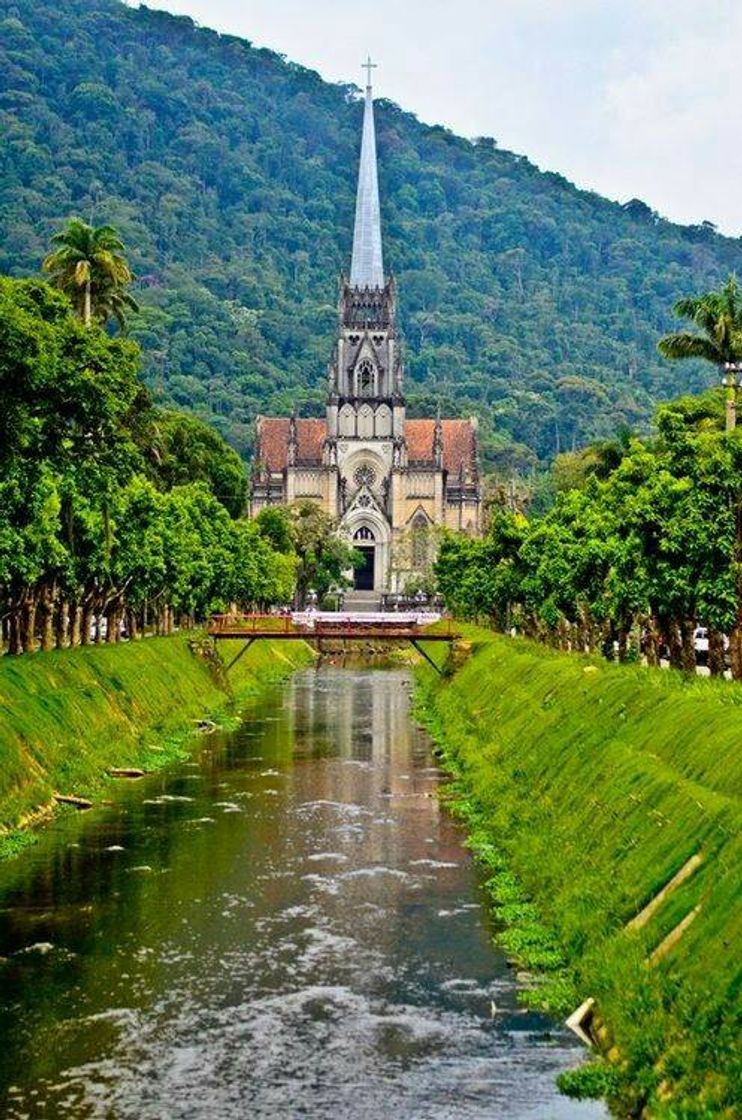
[[365, 475]]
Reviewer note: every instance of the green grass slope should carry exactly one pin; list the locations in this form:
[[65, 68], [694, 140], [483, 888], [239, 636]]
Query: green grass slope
[[588, 787], [231, 175], [66, 717]]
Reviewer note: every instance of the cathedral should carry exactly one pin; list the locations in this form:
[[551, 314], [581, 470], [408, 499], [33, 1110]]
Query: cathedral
[[392, 484]]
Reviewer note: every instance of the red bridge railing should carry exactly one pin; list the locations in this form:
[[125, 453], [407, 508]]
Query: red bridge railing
[[320, 625]]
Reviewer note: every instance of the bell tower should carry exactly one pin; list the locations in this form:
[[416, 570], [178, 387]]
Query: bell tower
[[366, 398]]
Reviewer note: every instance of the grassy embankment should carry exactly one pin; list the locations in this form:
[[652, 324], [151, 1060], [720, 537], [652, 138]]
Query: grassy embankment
[[66, 717], [587, 787]]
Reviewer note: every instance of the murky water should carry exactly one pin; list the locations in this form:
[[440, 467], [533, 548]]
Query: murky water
[[286, 927]]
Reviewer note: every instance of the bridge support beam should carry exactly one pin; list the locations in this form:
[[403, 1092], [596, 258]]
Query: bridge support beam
[[241, 653], [429, 660]]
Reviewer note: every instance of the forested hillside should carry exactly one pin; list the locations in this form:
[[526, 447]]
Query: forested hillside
[[230, 175]]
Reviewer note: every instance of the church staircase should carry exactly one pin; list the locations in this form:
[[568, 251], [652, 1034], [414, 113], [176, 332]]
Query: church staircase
[[361, 602]]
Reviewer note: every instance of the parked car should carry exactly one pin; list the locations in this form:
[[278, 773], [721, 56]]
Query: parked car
[[701, 645]]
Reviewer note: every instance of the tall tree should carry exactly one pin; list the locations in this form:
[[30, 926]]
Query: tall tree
[[323, 557], [89, 265], [186, 450], [718, 315]]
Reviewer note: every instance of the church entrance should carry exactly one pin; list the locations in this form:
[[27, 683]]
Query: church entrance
[[364, 574]]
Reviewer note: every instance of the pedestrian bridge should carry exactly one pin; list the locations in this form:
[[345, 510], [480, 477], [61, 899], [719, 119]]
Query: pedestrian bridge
[[314, 626]]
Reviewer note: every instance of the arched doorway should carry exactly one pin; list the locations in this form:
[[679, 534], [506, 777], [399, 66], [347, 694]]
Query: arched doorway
[[364, 574]]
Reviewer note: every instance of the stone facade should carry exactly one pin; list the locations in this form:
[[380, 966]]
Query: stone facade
[[391, 483]]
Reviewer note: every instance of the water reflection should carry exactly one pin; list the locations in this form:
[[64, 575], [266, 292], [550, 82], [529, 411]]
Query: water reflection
[[286, 927]]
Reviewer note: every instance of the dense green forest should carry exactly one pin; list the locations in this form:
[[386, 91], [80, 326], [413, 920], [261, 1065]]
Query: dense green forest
[[229, 172]]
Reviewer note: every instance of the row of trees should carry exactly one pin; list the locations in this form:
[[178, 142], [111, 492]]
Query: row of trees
[[111, 509], [643, 543]]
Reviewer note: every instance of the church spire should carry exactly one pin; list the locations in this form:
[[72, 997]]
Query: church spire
[[367, 266]]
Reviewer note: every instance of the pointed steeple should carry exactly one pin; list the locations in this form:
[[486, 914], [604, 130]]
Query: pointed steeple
[[367, 266]]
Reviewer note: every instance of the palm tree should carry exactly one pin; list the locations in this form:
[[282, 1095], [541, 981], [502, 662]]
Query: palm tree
[[89, 265], [719, 316]]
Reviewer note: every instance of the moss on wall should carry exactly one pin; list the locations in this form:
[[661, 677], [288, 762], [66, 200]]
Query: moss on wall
[[66, 717], [588, 786]]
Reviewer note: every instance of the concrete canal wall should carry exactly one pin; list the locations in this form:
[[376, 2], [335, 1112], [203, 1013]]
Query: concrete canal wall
[[68, 717], [605, 801]]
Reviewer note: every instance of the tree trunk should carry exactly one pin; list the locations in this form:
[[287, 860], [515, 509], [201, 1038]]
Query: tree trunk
[[652, 642], [61, 632], [735, 646], [111, 625], [15, 646], [716, 653], [675, 645], [75, 622], [731, 409], [132, 628], [735, 638], [623, 642], [46, 611], [88, 311], [86, 623], [688, 655], [28, 626]]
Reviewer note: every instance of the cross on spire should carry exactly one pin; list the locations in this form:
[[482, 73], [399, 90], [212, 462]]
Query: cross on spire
[[368, 66]]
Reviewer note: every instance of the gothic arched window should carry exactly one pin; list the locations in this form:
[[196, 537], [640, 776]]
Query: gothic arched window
[[364, 534], [347, 421], [420, 542], [365, 428], [366, 379], [383, 421]]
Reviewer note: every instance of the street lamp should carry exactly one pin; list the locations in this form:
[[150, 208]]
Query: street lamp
[[730, 381]]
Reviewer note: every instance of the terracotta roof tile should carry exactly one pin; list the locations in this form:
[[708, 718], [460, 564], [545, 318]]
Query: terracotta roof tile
[[273, 441], [459, 443], [419, 436], [311, 436]]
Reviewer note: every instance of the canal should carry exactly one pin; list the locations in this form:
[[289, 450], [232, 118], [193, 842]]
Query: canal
[[287, 925]]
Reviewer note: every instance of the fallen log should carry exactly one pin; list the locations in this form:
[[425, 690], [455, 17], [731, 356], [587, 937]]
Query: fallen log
[[126, 772], [71, 799]]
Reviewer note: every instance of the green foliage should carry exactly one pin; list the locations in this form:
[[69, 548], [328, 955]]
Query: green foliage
[[109, 507], [230, 173], [89, 266], [594, 1081], [587, 787], [274, 525], [642, 537], [188, 450], [323, 557], [718, 315], [67, 393]]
